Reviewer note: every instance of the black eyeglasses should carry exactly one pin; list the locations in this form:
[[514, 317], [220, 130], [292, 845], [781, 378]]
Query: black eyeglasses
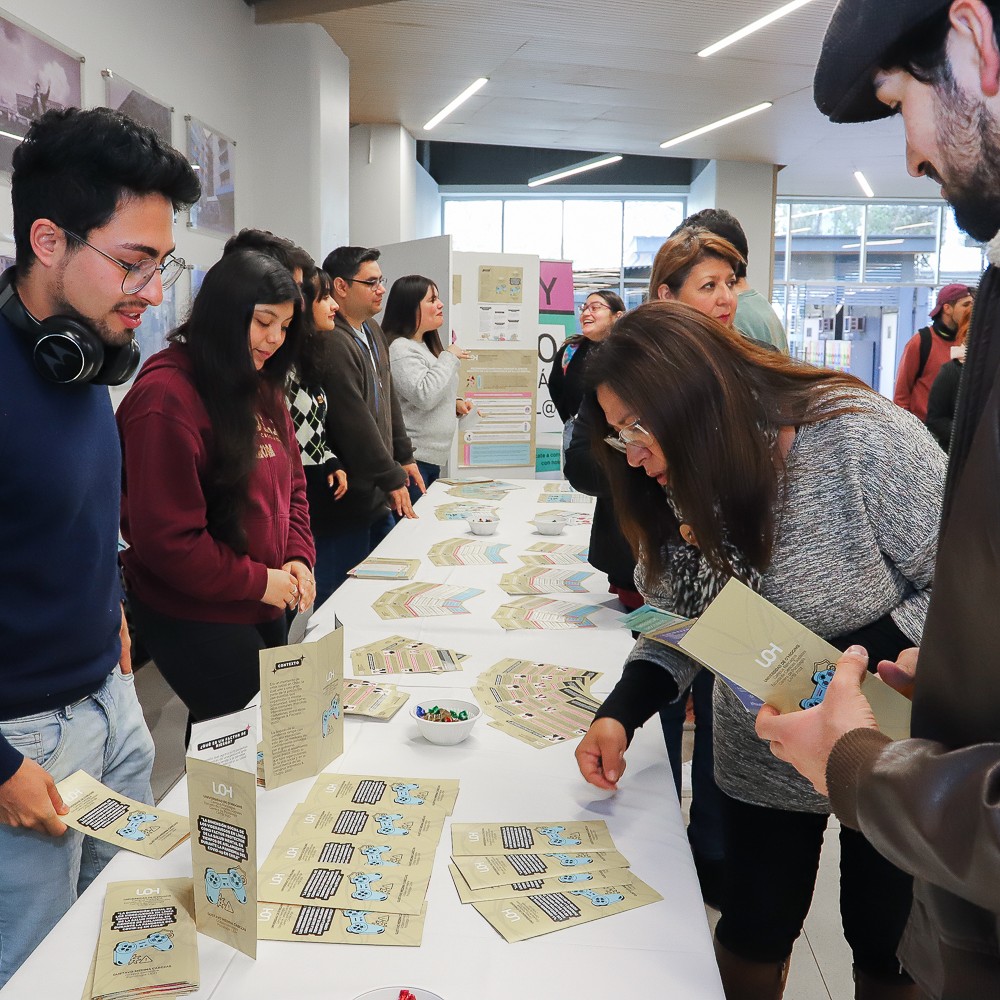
[[139, 274], [372, 283]]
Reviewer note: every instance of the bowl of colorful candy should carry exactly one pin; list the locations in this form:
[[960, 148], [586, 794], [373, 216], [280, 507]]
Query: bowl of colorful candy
[[445, 721], [550, 524], [399, 993]]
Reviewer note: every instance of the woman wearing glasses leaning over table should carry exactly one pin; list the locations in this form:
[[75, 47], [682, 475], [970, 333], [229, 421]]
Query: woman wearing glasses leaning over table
[[213, 494], [824, 497]]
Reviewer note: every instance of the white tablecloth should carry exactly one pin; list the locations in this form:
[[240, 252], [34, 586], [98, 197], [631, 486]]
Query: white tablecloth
[[662, 950]]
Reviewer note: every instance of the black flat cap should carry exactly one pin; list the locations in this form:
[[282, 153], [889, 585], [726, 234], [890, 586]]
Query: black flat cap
[[861, 32]]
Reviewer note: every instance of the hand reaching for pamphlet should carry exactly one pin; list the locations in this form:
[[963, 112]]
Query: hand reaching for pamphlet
[[600, 755], [29, 799]]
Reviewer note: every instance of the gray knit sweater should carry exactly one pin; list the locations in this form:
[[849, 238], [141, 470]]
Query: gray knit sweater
[[426, 387], [856, 540]]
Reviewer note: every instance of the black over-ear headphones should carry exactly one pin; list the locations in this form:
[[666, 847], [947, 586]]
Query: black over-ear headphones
[[64, 349]]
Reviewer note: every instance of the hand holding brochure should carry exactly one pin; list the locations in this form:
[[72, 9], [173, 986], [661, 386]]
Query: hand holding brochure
[[757, 649]]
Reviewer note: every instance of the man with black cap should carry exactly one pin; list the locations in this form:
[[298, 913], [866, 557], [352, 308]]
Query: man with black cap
[[931, 803], [929, 349]]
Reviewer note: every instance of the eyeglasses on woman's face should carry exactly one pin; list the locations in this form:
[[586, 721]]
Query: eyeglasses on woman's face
[[594, 306], [635, 435]]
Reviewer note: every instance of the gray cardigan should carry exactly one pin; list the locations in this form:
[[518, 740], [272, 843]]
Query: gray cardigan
[[427, 389], [856, 540]]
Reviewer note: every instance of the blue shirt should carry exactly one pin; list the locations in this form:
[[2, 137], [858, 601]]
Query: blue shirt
[[60, 490]]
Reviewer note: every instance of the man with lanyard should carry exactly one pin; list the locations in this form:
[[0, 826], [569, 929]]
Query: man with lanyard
[[930, 348], [94, 196], [929, 804], [364, 425]]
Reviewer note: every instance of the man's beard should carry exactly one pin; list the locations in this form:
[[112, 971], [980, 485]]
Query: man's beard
[[108, 336], [971, 135]]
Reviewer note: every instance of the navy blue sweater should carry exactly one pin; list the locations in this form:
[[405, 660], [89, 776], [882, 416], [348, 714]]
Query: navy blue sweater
[[60, 486]]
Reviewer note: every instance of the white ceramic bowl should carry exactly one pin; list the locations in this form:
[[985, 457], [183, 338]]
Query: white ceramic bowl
[[446, 733], [549, 525], [392, 993], [484, 525]]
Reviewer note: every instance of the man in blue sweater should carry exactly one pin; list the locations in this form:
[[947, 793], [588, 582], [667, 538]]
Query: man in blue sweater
[[94, 196]]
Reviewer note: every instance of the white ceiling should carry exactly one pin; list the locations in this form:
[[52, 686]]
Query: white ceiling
[[620, 77]]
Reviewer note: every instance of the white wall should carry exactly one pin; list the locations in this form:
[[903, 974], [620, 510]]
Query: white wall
[[748, 191], [428, 205], [383, 182], [281, 92]]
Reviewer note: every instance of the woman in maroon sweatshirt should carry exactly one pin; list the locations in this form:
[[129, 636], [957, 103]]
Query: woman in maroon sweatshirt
[[213, 496]]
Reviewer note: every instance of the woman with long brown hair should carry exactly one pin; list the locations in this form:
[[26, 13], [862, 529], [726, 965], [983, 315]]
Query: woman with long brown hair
[[726, 459]]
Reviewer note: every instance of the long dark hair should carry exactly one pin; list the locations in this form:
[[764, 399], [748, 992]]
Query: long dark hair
[[309, 363], [402, 311], [216, 335], [714, 402]]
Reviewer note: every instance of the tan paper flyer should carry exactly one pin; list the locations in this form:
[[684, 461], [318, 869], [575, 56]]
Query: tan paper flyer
[[318, 923], [295, 848], [97, 811], [148, 942], [565, 836], [542, 913], [332, 790], [745, 638], [222, 797], [301, 707], [485, 871], [386, 889], [574, 880], [367, 824]]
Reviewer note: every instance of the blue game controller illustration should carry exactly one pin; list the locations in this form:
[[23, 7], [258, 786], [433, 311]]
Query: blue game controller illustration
[[215, 882], [821, 678], [554, 833], [131, 831], [598, 898], [577, 877], [571, 860], [362, 882], [386, 825], [373, 855], [357, 923], [405, 796], [333, 712], [125, 949]]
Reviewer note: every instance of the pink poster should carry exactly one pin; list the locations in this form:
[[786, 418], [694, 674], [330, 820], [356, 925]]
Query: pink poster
[[555, 286]]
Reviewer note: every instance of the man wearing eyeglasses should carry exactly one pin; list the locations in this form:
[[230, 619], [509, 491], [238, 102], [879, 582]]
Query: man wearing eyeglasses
[[364, 424], [94, 196]]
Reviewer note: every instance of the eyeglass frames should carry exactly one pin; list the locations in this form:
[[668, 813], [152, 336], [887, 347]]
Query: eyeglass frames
[[372, 283], [635, 434], [142, 271]]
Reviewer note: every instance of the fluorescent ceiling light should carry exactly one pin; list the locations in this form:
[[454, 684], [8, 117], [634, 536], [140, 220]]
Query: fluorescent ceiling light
[[576, 168], [863, 184], [461, 99], [761, 22], [11, 135], [874, 243], [722, 121], [913, 225], [819, 211]]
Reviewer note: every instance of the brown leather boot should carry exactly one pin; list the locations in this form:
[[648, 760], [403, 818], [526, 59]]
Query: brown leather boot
[[745, 980], [867, 987]]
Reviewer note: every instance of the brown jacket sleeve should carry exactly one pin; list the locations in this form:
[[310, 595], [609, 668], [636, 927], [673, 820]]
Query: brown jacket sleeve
[[931, 811]]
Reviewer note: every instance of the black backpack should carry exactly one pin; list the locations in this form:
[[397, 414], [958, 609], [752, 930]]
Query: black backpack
[[925, 350]]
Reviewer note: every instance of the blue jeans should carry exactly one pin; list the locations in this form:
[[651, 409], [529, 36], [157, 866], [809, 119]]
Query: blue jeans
[[336, 554], [41, 876], [705, 825]]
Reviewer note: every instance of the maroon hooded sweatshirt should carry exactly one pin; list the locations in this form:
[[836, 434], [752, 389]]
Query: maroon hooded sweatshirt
[[173, 564]]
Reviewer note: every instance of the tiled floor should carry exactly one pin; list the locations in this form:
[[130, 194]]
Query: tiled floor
[[821, 960]]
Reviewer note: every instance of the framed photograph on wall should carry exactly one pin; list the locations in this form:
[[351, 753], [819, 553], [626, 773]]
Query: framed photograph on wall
[[120, 95], [35, 75], [213, 155]]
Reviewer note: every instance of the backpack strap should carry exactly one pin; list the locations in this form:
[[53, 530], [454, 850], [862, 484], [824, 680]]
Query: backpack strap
[[925, 350]]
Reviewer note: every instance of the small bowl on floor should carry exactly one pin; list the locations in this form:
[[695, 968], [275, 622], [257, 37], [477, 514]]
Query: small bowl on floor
[[446, 733]]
